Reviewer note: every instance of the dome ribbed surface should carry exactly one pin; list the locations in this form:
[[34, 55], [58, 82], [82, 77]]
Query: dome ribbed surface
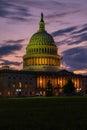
[[41, 38]]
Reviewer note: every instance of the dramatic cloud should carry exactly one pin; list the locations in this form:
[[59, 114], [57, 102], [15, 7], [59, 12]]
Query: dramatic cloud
[[9, 49], [21, 10], [14, 41], [71, 36], [63, 31], [76, 58], [83, 29], [11, 10], [78, 39], [62, 13]]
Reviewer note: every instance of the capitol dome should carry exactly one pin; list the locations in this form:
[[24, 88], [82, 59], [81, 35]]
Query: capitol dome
[[41, 52]]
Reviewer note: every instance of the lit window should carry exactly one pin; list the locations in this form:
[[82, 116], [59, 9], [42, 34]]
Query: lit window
[[20, 85], [41, 82], [42, 61], [0, 93], [13, 85], [36, 61], [45, 61], [9, 93]]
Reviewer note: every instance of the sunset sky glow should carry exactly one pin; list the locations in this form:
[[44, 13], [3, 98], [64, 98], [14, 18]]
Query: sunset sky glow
[[66, 21]]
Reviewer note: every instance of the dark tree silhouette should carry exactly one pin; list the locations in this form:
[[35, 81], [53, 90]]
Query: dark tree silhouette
[[49, 89], [69, 88]]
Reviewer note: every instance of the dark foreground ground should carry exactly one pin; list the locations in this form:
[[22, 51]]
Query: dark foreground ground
[[43, 113]]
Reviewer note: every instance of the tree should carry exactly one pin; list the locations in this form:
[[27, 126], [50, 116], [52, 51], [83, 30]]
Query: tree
[[69, 88], [49, 89]]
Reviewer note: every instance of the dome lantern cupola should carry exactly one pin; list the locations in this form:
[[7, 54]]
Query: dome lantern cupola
[[41, 24]]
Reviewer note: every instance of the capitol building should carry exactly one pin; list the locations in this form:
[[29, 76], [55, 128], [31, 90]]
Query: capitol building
[[41, 63]]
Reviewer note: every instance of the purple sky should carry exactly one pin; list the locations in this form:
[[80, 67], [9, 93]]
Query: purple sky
[[66, 21]]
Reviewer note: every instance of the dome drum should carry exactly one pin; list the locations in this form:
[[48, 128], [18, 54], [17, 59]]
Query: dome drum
[[42, 62]]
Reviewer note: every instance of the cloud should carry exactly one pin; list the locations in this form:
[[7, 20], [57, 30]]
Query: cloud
[[14, 11], [83, 29], [6, 62], [23, 10], [76, 58], [19, 57], [84, 71], [63, 31], [74, 53], [62, 13], [78, 39], [83, 37], [46, 4], [9, 49], [71, 35], [14, 41]]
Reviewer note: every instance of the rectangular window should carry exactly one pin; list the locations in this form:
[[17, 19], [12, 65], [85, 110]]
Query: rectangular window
[[42, 61]]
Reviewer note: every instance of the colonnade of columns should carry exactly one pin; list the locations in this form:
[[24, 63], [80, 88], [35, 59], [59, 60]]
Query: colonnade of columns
[[57, 81], [42, 61]]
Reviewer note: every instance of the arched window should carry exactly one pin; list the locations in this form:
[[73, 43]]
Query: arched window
[[45, 50], [48, 50], [37, 50], [42, 50]]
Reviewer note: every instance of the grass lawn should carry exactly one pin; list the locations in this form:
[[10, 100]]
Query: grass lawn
[[43, 113]]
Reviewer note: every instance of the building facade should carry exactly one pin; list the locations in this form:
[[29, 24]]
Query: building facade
[[41, 63]]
